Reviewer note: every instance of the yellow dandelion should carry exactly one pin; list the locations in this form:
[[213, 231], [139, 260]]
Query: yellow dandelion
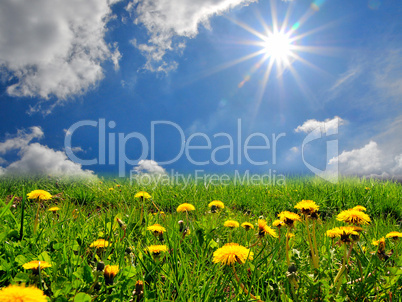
[[111, 189], [231, 253], [34, 265], [268, 230], [343, 232], [333, 233], [231, 224], [353, 217], [118, 186], [217, 203], [307, 207], [111, 271], [143, 195], [20, 293], [359, 208], [289, 218], [278, 223], [367, 188], [394, 235], [54, 209], [156, 249], [100, 243], [156, 229], [381, 245], [290, 235], [185, 207], [247, 226], [39, 194]]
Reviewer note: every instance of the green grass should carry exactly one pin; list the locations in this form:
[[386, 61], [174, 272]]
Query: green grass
[[186, 272]]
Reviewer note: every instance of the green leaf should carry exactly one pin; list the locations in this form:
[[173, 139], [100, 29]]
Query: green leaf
[[20, 259], [129, 272], [87, 274], [82, 297], [21, 277], [45, 257]]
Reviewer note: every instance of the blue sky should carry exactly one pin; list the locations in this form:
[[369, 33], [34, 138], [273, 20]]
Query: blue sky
[[134, 63]]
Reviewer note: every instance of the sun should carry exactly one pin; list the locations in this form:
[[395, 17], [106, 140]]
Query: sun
[[278, 48]]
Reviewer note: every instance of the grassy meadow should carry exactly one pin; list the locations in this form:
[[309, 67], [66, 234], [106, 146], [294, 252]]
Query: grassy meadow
[[292, 262]]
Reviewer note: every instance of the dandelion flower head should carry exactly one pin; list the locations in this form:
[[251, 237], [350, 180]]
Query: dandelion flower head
[[100, 243], [217, 203], [231, 253], [394, 235], [353, 217], [54, 209], [111, 271], [185, 207], [13, 293], [156, 229], [34, 265], [156, 249], [307, 207], [142, 194], [247, 226], [289, 218], [231, 224], [40, 195]]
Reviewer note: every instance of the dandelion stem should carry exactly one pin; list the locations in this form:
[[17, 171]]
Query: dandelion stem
[[243, 287], [37, 217], [22, 216], [317, 260], [346, 255], [310, 243], [287, 249]]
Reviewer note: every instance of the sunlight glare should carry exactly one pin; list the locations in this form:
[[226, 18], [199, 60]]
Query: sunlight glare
[[278, 47]]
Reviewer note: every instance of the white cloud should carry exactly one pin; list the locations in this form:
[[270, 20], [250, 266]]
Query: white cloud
[[54, 47], [327, 125], [21, 140], [167, 19], [149, 166], [38, 159], [294, 149]]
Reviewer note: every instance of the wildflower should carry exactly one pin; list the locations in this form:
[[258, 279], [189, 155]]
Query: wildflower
[[100, 243], [118, 186], [265, 229], [109, 273], [289, 218], [359, 208], [381, 246], [142, 195], [101, 182], [290, 235], [367, 188], [138, 293], [277, 223], [231, 253], [247, 226], [14, 293], [307, 207], [343, 233], [36, 265], [394, 235], [216, 204], [231, 224], [111, 189], [54, 209], [353, 217], [40, 195], [332, 233], [156, 229], [155, 250], [185, 207]]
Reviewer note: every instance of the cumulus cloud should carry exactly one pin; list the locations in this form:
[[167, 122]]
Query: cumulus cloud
[[327, 125], [149, 166], [35, 158], [54, 47], [169, 19]]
